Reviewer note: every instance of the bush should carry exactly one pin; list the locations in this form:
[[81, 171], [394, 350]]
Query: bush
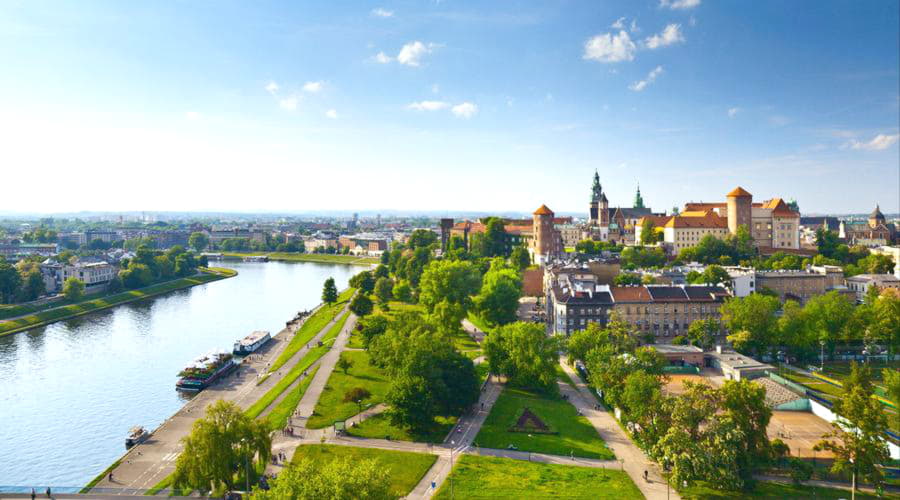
[[800, 470]]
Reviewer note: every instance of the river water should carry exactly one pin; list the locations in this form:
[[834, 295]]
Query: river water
[[69, 392]]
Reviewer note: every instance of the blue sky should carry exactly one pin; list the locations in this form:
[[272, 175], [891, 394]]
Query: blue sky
[[447, 105]]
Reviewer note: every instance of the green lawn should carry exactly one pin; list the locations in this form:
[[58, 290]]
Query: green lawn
[[309, 257], [331, 406], [311, 327], [404, 468], [379, 427], [92, 305], [574, 433], [463, 342], [478, 322], [813, 383], [489, 477], [355, 341], [769, 490], [277, 418]]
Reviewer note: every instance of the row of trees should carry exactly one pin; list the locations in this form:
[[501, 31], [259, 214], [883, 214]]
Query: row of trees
[[759, 324], [149, 265]]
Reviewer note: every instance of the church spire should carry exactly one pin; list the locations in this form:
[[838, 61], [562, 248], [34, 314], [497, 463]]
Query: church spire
[[638, 199], [596, 190]]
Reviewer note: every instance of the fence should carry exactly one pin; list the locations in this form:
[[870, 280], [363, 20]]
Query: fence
[[687, 369], [799, 389]]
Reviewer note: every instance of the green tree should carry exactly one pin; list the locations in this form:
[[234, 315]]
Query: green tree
[[744, 405], [451, 283], [329, 292], [494, 238], [715, 275], [219, 444], [703, 332], [361, 305], [519, 258], [344, 364], [136, 276], [402, 291], [626, 279], [649, 234], [32, 281], [10, 281], [498, 300], [371, 327], [828, 316], [421, 238], [73, 289], [364, 281], [524, 354], [857, 436], [382, 271], [412, 403], [793, 332], [892, 385], [752, 320], [338, 479], [384, 289]]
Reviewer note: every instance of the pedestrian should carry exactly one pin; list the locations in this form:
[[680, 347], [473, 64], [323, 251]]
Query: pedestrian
[[110, 477], [32, 494], [482, 406], [48, 492], [646, 475]]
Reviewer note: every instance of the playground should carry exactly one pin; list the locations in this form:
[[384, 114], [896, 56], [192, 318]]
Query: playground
[[675, 385]]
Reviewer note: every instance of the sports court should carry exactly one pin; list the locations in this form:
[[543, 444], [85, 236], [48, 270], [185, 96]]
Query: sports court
[[800, 430], [676, 382]]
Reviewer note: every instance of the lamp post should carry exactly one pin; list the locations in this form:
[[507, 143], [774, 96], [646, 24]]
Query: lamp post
[[450, 476], [822, 356], [246, 465]]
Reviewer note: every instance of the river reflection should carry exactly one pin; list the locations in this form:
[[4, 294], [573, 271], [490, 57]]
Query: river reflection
[[70, 391]]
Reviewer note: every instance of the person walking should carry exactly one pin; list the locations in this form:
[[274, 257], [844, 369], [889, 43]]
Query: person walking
[[110, 476], [32, 494], [48, 492], [646, 476]]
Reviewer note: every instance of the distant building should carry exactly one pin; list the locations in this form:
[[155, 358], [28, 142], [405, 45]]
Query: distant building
[[872, 233], [93, 274], [665, 311], [546, 245], [862, 282], [14, 251], [736, 366], [616, 225]]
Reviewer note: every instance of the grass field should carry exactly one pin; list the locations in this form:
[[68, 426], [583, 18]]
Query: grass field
[[769, 490], [404, 468], [309, 257], [278, 417], [53, 315], [489, 477], [574, 434], [311, 327], [379, 427], [331, 406], [813, 383]]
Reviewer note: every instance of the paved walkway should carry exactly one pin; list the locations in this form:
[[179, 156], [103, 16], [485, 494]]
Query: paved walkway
[[635, 462], [147, 464]]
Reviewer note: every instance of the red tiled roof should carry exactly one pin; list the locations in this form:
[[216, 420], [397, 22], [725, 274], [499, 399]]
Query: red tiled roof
[[630, 294], [543, 210], [710, 221], [739, 192]]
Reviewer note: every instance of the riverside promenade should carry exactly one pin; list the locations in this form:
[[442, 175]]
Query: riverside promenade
[[148, 463]]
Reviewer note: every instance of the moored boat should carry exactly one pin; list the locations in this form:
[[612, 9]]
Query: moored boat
[[251, 343], [205, 370], [136, 435]]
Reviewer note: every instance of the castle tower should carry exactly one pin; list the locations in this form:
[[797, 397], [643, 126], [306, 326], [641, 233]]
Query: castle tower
[[544, 243], [876, 218], [638, 199], [739, 204], [596, 194]]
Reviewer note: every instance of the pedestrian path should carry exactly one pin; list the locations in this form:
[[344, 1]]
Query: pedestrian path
[[632, 459]]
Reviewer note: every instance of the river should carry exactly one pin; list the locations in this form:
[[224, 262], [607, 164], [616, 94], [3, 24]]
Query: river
[[69, 392]]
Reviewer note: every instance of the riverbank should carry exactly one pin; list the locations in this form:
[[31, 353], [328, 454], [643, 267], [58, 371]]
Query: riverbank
[[52, 315], [323, 258]]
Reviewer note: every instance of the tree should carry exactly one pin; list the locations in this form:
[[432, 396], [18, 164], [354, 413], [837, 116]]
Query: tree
[[136, 276], [626, 279], [412, 403], [10, 281], [402, 291], [637, 257], [649, 234], [421, 238], [702, 332], [357, 394], [715, 275], [752, 320], [892, 386], [446, 289], [828, 316], [219, 444], [744, 405], [361, 305], [384, 289], [498, 300], [382, 271], [32, 281], [792, 330], [524, 354], [365, 281], [73, 289], [519, 258], [341, 478], [494, 238], [856, 437], [329, 292], [371, 327], [344, 364]]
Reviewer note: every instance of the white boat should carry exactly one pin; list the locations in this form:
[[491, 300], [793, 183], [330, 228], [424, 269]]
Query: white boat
[[251, 343], [136, 436]]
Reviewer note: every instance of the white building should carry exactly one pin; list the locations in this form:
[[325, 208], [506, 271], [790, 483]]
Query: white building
[[861, 283]]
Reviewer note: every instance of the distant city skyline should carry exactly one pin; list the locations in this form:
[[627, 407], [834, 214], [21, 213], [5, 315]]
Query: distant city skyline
[[452, 106]]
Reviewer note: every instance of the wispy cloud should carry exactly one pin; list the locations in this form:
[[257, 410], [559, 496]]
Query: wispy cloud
[[313, 87], [622, 24], [465, 110], [732, 112], [272, 88], [331, 113], [609, 48], [428, 105], [383, 58], [670, 35], [642, 84], [879, 143], [412, 53], [679, 4], [289, 103], [383, 13]]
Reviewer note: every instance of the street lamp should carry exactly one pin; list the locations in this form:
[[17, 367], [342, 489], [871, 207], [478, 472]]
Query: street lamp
[[822, 356], [246, 465], [452, 445]]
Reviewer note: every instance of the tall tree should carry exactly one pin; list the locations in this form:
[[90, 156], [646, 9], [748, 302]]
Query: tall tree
[[498, 300], [494, 238], [219, 444], [73, 289], [337, 479], [752, 321], [361, 305], [10, 280], [649, 234], [329, 292], [524, 354], [519, 258], [446, 289], [384, 289], [828, 315]]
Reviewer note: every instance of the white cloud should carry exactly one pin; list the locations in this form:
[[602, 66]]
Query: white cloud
[[732, 112], [642, 84], [383, 58], [619, 24], [879, 143], [428, 105], [379, 12], [289, 103], [465, 110], [411, 53], [634, 27], [272, 88], [669, 36], [679, 4], [331, 113], [313, 87], [192, 115], [610, 48]]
